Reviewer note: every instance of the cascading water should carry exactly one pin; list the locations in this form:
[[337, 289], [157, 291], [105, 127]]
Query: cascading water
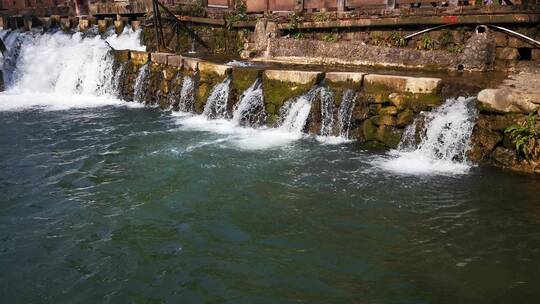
[[187, 94], [250, 109], [216, 104], [139, 92], [62, 63], [327, 111], [443, 149], [345, 113], [295, 112]]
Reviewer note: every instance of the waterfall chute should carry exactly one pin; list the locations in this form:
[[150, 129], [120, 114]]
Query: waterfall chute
[[139, 93], [345, 111], [445, 141], [216, 104], [250, 109], [295, 112], [327, 112]]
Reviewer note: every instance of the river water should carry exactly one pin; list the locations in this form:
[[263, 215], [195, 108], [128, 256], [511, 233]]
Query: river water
[[103, 201]]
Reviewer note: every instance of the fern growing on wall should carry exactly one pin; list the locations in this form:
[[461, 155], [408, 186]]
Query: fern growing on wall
[[525, 137]]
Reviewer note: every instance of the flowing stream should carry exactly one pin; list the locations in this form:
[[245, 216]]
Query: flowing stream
[[103, 200]]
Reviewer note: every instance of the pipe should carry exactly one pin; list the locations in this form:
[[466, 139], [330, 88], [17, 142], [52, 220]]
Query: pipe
[[425, 31], [530, 40]]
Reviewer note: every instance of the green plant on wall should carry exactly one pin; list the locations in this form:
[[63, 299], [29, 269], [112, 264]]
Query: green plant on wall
[[294, 25], [396, 39], [525, 137], [320, 17], [329, 37], [446, 39], [376, 39], [298, 36], [427, 43], [240, 14]]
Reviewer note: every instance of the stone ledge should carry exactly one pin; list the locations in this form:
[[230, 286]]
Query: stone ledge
[[191, 64], [160, 58], [301, 77], [175, 61], [208, 67], [405, 84], [345, 76], [138, 57]]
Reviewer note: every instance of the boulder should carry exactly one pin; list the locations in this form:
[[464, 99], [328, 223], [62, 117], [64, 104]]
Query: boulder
[[398, 100], [405, 118], [507, 54], [505, 100]]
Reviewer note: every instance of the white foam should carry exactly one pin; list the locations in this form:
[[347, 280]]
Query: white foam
[[240, 137], [54, 101], [128, 40], [444, 146]]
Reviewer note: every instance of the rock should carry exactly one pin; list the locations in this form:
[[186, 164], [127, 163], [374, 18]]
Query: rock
[[483, 142], [398, 100], [384, 120], [191, 64], [507, 53], [505, 100], [505, 157], [535, 54], [501, 39], [370, 130], [478, 54], [389, 136], [390, 110], [405, 118], [517, 43], [374, 109]]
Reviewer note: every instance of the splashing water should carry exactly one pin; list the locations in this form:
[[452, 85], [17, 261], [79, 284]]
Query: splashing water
[[139, 93], [345, 113], [48, 69], [187, 94], [295, 112], [216, 105], [250, 109], [327, 111], [444, 145], [128, 40]]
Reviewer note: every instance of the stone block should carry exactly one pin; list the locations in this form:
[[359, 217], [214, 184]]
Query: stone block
[[404, 83], [535, 54], [300, 77], [507, 53], [84, 24], [121, 55], [160, 58], [175, 61], [65, 24], [344, 77], [138, 57], [212, 68], [501, 39], [103, 24], [135, 24], [191, 64], [118, 26]]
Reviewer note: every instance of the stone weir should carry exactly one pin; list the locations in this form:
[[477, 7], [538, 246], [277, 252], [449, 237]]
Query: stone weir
[[367, 107]]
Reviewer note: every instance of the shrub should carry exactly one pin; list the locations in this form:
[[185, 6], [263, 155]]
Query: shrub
[[525, 137]]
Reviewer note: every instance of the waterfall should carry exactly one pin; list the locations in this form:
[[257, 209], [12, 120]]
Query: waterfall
[[139, 93], [175, 91], [345, 113], [120, 74], [250, 109], [327, 111], [216, 104], [295, 111], [62, 63], [444, 144], [187, 95]]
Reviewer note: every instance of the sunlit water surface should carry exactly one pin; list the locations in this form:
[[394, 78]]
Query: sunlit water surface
[[116, 204]]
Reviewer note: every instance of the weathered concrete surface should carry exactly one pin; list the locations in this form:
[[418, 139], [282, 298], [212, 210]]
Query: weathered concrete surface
[[175, 61], [404, 84], [300, 77], [138, 57], [208, 67], [354, 53], [344, 76], [519, 93], [160, 58], [191, 64]]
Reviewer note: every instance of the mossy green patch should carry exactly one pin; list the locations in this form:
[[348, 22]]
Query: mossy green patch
[[338, 88], [277, 92], [243, 78]]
